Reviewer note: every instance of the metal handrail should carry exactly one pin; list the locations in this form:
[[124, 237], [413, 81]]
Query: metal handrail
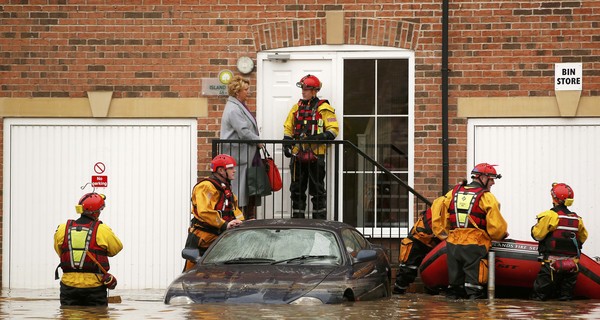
[[384, 205], [216, 142]]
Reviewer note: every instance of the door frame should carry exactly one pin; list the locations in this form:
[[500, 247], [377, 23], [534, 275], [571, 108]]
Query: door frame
[[338, 54]]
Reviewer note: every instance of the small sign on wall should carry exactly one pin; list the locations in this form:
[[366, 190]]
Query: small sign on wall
[[99, 181], [568, 76], [217, 87]]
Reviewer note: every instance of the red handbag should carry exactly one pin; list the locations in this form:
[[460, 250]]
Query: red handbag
[[272, 171]]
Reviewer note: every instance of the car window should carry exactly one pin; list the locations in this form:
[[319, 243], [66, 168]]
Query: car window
[[275, 245], [363, 244], [350, 242], [354, 241]]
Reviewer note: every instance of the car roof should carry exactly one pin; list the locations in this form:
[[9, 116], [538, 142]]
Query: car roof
[[296, 223]]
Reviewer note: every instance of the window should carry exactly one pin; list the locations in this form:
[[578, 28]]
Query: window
[[377, 118], [265, 246]]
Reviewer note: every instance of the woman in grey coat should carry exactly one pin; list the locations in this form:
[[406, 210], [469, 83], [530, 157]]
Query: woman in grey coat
[[238, 123]]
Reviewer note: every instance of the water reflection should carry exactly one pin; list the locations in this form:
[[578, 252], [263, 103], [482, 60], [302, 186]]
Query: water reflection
[[147, 304]]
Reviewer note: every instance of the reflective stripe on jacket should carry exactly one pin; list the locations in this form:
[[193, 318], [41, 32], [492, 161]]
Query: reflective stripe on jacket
[[559, 231], [213, 206], [81, 238], [495, 225], [465, 209], [300, 123]]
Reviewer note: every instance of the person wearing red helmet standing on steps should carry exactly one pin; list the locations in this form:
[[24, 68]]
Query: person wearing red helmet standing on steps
[[469, 219], [561, 234], [309, 119], [84, 246], [214, 206]]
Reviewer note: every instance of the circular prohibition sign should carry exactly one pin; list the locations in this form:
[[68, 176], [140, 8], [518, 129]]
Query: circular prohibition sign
[[99, 167]]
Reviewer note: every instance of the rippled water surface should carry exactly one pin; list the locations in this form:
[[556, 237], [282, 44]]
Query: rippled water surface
[[44, 304]]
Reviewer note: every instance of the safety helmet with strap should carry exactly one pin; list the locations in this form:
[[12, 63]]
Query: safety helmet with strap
[[309, 82], [485, 169], [222, 160], [562, 193], [91, 203]]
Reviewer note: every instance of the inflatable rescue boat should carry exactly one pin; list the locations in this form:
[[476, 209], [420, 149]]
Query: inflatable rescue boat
[[517, 266]]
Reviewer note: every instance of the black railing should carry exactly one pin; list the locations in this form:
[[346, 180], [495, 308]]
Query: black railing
[[360, 191]]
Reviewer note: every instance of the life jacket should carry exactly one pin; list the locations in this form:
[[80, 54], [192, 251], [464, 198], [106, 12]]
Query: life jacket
[[225, 205], [79, 239], [307, 121], [422, 231], [465, 204], [562, 241]]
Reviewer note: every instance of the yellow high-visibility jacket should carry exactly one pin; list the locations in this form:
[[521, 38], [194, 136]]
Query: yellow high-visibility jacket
[[330, 124], [105, 238]]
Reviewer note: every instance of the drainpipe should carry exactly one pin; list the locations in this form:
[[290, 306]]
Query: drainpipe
[[445, 161]]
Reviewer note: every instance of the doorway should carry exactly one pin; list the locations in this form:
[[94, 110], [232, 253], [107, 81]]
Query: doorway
[[372, 91]]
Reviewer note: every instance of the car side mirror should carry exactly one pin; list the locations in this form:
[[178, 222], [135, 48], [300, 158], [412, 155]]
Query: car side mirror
[[365, 255], [192, 254]]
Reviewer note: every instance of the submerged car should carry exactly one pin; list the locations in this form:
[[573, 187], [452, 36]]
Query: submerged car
[[293, 261]]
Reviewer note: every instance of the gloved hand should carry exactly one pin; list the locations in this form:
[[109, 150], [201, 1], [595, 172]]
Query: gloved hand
[[321, 136], [287, 151], [287, 146], [109, 281]]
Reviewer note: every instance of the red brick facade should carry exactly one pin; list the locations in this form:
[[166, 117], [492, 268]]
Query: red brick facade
[[163, 48]]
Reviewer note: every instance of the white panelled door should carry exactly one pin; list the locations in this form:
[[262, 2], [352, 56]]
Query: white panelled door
[[150, 167], [531, 154], [279, 94]]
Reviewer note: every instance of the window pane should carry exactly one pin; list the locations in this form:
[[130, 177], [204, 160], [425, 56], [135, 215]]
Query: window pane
[[275, 245], [358, 192], [392, 137], [359, 87], [392, 87], [361, 132], [392, 202]]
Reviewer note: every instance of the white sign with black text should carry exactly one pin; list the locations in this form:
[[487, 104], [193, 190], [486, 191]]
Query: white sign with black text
[[568, 76]]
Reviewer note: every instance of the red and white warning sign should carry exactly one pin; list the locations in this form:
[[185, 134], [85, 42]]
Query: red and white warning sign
[[99, 181]]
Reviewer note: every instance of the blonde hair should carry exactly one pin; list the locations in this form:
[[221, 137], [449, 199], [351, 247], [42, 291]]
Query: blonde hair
[[236, 85]]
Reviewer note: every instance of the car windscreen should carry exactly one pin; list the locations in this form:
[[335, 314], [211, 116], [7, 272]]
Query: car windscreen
[[275, 246]]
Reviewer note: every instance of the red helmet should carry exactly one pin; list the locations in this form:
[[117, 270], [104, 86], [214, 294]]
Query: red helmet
[[562, 193], [485, 169], [309, 82], [222, 160], [91, 203]]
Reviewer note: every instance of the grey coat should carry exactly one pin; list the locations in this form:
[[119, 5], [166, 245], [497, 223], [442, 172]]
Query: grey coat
[[238, 123]]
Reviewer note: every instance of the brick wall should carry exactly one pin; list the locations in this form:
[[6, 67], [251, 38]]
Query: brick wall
[[163, 48]]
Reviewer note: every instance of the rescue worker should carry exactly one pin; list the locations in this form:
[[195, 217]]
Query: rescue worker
[[214, 206], [469, 224], [84, 246], [314, 119], [561, 234], [413, 249]]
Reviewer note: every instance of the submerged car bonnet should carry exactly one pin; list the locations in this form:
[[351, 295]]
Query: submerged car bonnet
[[250, 284]]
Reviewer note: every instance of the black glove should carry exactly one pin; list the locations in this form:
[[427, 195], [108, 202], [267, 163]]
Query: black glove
[[287, 151], [321, 136], [287, 147]]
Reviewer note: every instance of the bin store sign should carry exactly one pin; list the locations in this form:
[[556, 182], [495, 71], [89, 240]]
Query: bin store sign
[[217, 87], [568, 76]]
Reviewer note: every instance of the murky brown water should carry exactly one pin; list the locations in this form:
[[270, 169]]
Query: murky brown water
[[44, 304]]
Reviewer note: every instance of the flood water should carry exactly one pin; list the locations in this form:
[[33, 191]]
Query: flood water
[[147, 304]]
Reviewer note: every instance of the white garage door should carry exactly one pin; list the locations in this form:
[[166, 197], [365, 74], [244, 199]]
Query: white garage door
[[531, 154], [150, 166]]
